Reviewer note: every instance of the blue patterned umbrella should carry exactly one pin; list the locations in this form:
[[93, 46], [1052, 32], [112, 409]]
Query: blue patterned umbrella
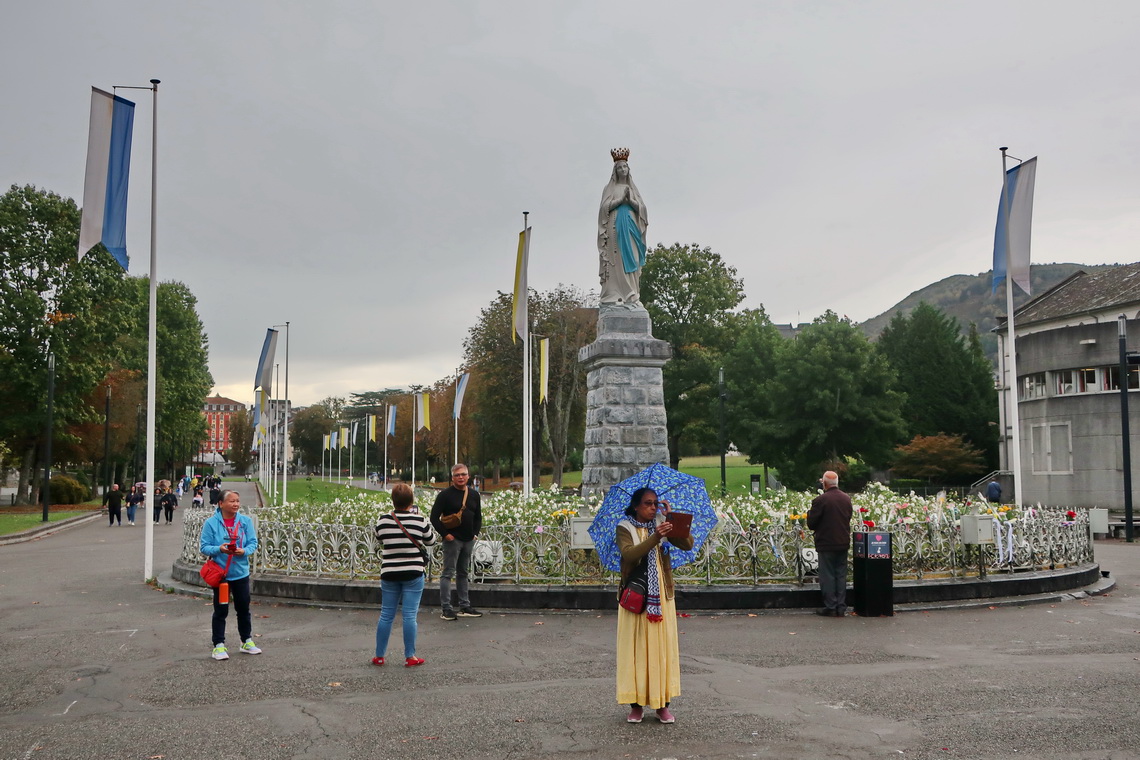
[[685, 493]]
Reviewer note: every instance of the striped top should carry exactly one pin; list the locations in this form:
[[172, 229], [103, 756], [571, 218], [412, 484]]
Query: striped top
[[401, 560]]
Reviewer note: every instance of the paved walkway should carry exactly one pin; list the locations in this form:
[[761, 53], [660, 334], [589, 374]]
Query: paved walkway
[[99, 665]]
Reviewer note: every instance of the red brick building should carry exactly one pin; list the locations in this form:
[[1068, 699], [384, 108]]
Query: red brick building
[[218, 410]]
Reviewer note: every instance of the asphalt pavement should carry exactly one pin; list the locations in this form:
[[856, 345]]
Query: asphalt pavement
[[98, 664]]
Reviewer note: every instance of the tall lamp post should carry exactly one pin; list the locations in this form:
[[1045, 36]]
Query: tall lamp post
[[285, 459], [1125, 437], [47, 434], [107, 442]]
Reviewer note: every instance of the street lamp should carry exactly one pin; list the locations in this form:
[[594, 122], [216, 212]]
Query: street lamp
[[285, 459]]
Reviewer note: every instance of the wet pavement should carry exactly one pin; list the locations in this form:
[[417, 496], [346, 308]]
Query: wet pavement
[[98, 664]]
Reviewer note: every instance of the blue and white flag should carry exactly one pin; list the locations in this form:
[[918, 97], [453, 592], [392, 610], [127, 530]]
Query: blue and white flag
[[460, 389], [391, 420], [264, 378], [108, 170], [1014, 223]]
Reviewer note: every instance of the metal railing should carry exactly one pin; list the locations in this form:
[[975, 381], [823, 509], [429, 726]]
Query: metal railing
[[776, 553]]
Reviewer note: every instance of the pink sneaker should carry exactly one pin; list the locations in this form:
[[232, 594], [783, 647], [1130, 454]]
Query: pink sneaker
[[665, 716], [635, 715]]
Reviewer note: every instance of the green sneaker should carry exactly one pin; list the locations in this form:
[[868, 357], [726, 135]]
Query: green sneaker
[[220, 652], [249, 647]]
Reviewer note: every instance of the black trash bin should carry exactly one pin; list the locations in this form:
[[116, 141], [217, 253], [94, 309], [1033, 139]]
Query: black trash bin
[[873, 574]]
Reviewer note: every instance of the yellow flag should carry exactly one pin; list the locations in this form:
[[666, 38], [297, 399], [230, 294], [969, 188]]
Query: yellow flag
[[423, 407], [519, 316], [543, 368], [372, 427]]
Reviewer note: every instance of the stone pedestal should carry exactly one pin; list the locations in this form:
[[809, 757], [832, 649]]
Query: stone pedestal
[[625, 402]]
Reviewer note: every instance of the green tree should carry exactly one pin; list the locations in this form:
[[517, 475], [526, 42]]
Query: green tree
[[182, 351], [50, 303], [832, 396], [748, 366], [240, 454], [495, 392], [690, 293], [947, 379], [309, 427]]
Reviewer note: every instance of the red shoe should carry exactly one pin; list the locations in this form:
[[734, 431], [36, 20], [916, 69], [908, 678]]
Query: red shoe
[[377, 660], [412, 662]]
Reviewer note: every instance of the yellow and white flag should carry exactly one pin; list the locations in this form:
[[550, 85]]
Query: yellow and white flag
[[344, 437], [543, 369], [325, 442], [372, 428], [423, 411]]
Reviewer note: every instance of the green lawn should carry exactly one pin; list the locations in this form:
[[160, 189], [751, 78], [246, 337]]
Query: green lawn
[[14, 523], [737, 472], [316, 491]]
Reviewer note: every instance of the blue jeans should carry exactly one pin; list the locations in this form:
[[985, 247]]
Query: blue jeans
[[456, 563], [392, 595], [833, 580]]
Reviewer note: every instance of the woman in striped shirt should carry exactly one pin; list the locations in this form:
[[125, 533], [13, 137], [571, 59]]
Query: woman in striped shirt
[[401, 572]]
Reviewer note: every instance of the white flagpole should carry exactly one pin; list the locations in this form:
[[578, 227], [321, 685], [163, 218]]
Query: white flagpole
[[351, 448], [415, 421], [1011, 385], [453, 411], [524, 304], [387, 411], [152, 344], [367, 437]]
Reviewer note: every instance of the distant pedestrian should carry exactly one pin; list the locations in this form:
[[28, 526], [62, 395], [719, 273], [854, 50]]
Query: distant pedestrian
[[993, 492], [830, 519], [135, 498], [461, 504], [168, 501], [402, 533], [215, 496], [230, 538], [114, 501], [198, 499]]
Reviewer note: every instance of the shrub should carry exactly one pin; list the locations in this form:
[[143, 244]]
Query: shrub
[[68, 490]]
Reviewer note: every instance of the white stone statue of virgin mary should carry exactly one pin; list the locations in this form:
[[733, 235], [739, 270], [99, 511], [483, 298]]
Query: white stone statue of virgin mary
[[622, 219]]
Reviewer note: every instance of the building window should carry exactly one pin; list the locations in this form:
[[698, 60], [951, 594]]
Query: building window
[[1051, 447], [1033, 386], [1112, 378], [1066, 382]]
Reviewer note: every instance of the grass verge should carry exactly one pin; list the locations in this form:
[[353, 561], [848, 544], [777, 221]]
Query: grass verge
[[14, 523]]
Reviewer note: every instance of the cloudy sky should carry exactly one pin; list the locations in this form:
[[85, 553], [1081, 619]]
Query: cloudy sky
[[360, 169]]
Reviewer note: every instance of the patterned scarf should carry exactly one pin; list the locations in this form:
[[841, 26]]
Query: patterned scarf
[[652, 584]]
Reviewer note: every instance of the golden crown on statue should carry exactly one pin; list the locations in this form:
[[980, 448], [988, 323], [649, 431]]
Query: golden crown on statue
[[620, 154]]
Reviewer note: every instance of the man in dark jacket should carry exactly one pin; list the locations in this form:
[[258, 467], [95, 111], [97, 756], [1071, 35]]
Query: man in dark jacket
[[830, 519], [458, 541]]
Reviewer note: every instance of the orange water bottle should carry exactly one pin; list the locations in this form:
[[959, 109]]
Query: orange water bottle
[[223, 593]]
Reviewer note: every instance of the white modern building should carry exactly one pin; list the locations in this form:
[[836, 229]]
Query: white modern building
[[1068, 388]]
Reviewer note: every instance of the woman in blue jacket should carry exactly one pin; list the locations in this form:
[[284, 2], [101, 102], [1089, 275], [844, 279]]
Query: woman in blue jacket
[[229, 539]]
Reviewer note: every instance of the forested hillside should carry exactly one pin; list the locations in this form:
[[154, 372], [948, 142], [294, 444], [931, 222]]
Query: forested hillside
[[968, 299]]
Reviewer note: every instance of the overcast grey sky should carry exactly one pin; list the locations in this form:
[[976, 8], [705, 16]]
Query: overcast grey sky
[[360, 169]]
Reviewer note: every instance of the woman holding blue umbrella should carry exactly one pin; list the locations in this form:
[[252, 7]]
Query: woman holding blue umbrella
[[648, 667]]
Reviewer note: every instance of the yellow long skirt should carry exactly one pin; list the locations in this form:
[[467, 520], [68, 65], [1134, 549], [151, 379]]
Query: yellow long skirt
[[648, 666]]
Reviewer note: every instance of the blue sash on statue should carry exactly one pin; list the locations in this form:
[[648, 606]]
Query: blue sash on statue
[[630, 242]]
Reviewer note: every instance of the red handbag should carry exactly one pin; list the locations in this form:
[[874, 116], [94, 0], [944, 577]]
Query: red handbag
[[636, 589], [213, 573]]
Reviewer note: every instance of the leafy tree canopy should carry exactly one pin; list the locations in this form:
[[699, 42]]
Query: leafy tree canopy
[[690, 294]]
